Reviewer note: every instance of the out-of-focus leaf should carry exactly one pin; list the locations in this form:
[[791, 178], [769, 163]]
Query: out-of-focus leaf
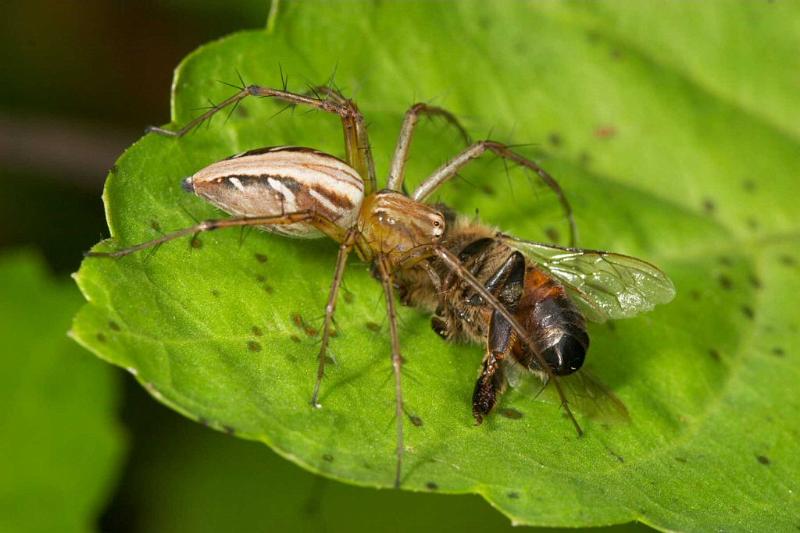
[[60, 444]]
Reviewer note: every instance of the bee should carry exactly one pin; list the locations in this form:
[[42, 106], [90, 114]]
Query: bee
[[550, 290], [525, 302]]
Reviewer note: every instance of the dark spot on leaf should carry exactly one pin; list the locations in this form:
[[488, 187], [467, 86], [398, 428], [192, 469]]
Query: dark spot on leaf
[[487, 189], [749, 185], [268, 289], [763, 459], [584, 159], [155, 225], [253, 346], [709, 206], [555, 139], [605, 132], [513, 495], [484, 23], [101, 337], [196, 243], [611, 326], [294, 338], [228, 429], [214, 292], [694, 294], [755, 281], [328, 458], [725, 282], [777, 350], [417, 421], [256, 331], [681, 460], [372, 326], [752, 223], [113, 325], [311, 332], [261, 258], [348, 297], [260, 278], [552, 234], [788, 260], [714, 353], [298, 320], [592, 36], [513, 414], [616, 54], [430, 485], [748, 312], [725, 260]]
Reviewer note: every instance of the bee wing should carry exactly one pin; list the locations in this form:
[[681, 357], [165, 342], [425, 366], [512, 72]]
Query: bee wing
[[592, 398], [584, 392], [604, 285]]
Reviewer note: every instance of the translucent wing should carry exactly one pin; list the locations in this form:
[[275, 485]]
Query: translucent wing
[[604, 285], [584, 392]]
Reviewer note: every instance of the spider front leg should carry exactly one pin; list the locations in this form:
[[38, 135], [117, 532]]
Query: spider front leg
[[397, 360], [357, 148], [397, 168], [449, 170]]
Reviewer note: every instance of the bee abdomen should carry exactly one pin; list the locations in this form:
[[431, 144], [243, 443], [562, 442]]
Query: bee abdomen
[[557, 327]]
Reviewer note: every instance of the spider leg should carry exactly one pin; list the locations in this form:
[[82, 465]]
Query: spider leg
[[359, 154], [341, 262], [209, 225], [449, 170], [397, 361], [397, 168]]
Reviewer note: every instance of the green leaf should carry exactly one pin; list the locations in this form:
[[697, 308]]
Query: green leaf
[[210, 482], [60, 444], [675, 143]]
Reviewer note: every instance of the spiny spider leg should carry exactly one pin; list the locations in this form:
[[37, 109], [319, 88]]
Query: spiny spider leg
[[449, 170], [341, 262], [397, 360], [359, 154], [452, 262], [209, 225], [397, 169]]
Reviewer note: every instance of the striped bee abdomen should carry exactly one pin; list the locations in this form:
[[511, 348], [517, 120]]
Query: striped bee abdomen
[[280, 180]]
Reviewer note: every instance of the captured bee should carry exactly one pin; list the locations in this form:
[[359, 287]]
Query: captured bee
[[526, 302], [550, 290]]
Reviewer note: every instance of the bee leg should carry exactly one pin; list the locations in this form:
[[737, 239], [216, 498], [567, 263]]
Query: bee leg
[[451, 168], [491, 381], [397, 168], [397, 360], [341, 262]]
